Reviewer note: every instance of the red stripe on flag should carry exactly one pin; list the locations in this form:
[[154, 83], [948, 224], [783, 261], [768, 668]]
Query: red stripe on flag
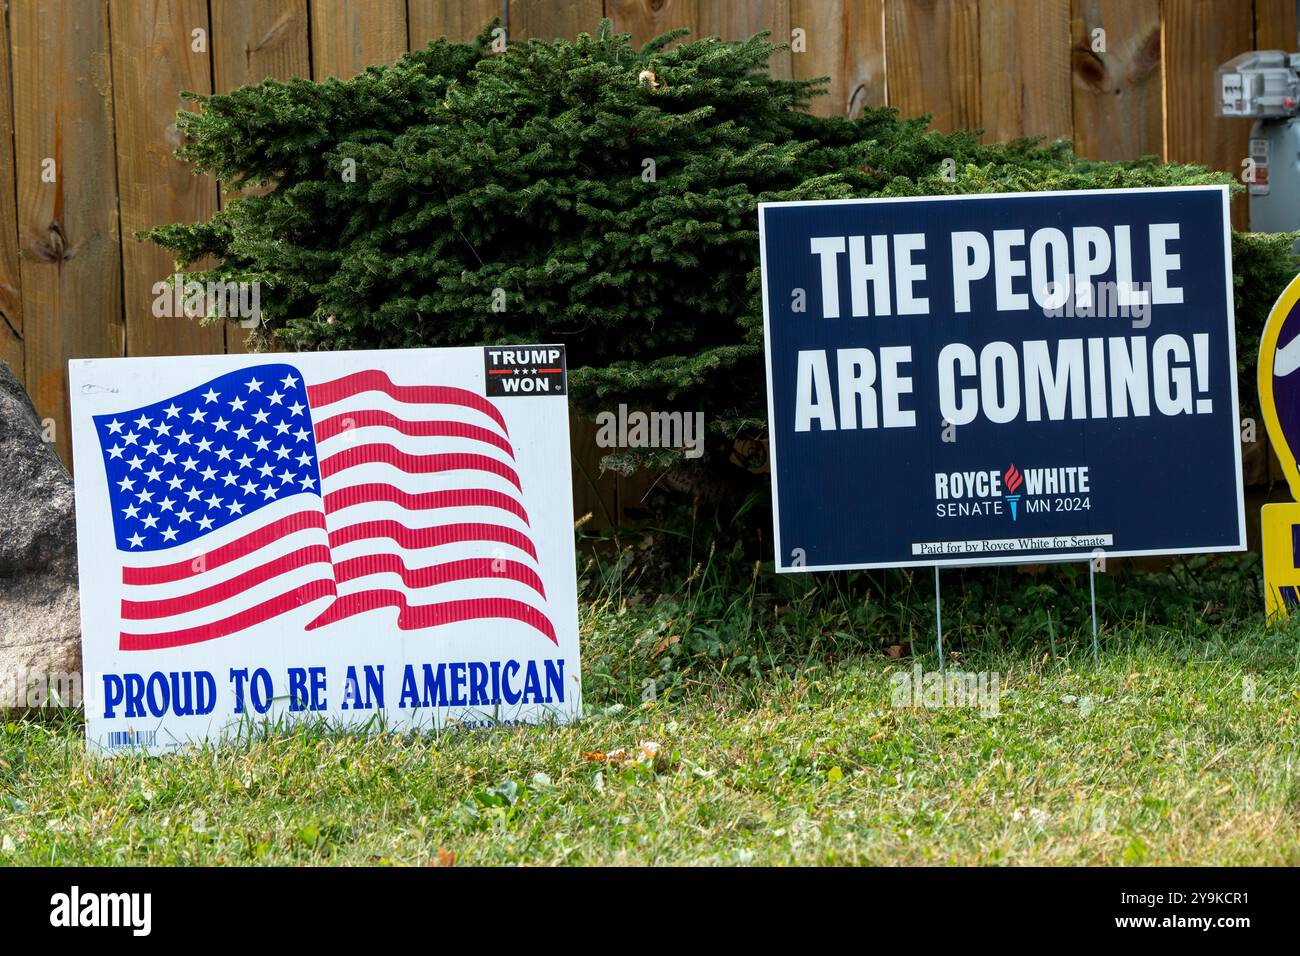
[[376, 381], [236, 622], [415, 464], [420, 616], [372, 417], [424, 501], [226, 553], [152, 610], [431, 537], [463, 570]]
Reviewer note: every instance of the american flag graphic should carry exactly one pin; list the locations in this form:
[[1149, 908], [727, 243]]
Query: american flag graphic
[[257, 493]]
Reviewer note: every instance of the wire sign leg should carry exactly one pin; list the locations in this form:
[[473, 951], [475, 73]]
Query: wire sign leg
[[1092, 590], [938, 616]]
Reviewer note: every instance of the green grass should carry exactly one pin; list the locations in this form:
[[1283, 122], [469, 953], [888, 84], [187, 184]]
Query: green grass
[[779, 745]]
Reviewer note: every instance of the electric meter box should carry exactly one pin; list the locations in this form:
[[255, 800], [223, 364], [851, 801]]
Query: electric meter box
[[1260, 84]]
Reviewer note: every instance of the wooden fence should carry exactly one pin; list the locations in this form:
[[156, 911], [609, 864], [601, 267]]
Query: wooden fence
[[89, 90]]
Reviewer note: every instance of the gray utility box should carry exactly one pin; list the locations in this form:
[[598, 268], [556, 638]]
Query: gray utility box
[[1264, 85]]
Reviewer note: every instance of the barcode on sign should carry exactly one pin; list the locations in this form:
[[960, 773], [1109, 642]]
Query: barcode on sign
[[131, 738]]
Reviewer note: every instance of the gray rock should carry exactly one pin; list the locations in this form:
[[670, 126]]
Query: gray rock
[[40, 623]]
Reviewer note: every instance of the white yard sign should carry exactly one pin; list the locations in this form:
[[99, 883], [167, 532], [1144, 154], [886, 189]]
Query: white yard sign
[[358, 537]]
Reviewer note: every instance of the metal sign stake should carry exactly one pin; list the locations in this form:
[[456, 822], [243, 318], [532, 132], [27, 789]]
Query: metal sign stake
[[1092, 590], [938, 616]]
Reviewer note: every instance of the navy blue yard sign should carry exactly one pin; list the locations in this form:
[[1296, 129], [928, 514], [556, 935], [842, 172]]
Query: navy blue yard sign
[[1005, 378]]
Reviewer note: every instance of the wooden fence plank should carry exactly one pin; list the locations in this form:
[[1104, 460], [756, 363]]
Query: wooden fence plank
[[1025, 69], [67, 229], [1197, 37], [593, 492], [740, 21], [647, 19], [458, 20], [548, 19], [253, 40], [1118, 108], [845, 41], [153, 61], [1275, 25], [932, 59], [11, 283], [349, 35], [256, 39]]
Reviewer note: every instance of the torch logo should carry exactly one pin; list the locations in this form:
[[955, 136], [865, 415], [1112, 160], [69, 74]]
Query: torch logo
[[1013, 480]]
